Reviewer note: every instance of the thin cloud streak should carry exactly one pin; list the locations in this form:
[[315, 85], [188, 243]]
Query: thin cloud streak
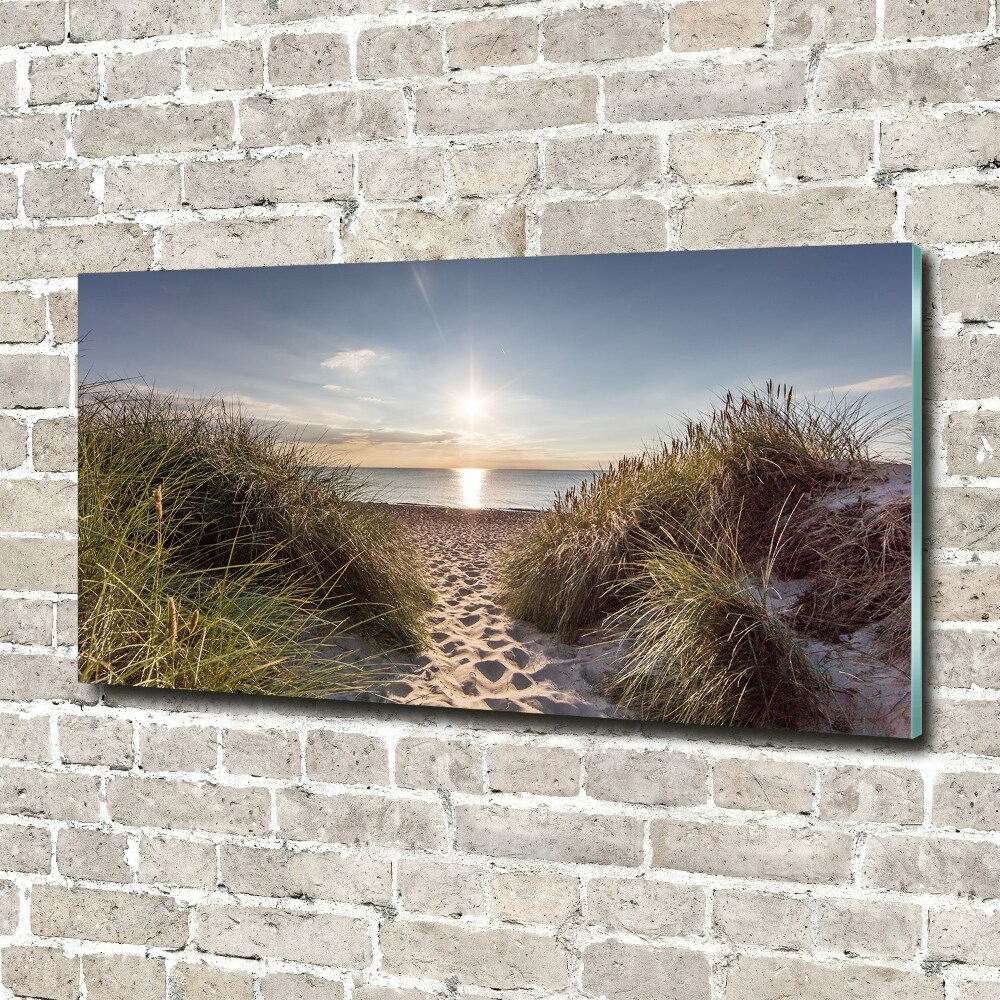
[[352, 360], [881, 384]]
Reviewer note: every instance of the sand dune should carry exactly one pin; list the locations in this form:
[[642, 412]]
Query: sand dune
[[480, 658]]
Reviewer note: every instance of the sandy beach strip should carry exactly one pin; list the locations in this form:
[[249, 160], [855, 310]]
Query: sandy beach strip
[[480, 658]]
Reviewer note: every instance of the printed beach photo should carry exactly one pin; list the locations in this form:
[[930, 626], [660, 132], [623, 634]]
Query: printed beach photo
[[665, 487]]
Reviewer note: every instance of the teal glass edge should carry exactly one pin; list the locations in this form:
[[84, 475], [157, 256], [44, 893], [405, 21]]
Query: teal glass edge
[[916, 528]]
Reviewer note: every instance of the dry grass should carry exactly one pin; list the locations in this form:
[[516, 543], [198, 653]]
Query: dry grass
[[668, 541], [707, 650], [753, 458], [210, 557], [860, 559]]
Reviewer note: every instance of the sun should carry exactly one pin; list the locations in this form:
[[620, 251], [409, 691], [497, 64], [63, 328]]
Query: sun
[[471, 407]]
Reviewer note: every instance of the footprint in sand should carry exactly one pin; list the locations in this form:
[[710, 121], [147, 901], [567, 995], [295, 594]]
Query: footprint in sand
[[492, 670], [516, 655], [520, 682], [496, 643], [469, 620]]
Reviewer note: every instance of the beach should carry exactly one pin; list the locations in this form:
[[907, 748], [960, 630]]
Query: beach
[[478, 657]]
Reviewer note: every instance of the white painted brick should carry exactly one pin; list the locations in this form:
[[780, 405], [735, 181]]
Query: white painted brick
[[142, 187], [59, 193], [53, 444], [716, 157], [309, 59], [631, 225], [442, 889], [811, 22], [30, 138], [595, 34], [509, 41], [907, 76], [873, 929], [539, 770], [123, 977], [823, 152], [920, 18], [321, 177], [515, 958], [401, 174], [91, 19], [247, 243], [361, 114], [425, 234], [603, 161], [225, 67], [711, 90], [933, 142], [643, 906], [175, 862], [698, 25], [485, 170], [63, 79], [765, 978], [33, 21], [142, 74], [414, 50], [764, 919], [535, 897], [293, 935], [506, 104], [621, 970], [808, 216]]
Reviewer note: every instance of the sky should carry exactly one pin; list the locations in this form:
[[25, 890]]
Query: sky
[[540, 362]]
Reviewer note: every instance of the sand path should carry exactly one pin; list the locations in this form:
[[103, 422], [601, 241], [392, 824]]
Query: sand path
[[479, 657]]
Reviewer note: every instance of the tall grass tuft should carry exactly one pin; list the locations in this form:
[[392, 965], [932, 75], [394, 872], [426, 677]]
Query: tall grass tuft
[[212, 557], [706, 649], [752, 459], [859, 557]]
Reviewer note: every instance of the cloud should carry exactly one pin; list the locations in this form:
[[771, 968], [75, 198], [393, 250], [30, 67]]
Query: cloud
[[903, 381], [352, 361], [334, 388], [388, 435]]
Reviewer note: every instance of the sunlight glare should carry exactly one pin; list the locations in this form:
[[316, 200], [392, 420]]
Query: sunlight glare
[[470, 484], [471, 407]]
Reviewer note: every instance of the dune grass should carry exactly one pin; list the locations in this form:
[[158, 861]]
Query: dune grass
[[212, 557], [706, 648], [859, 556], [667, 542]]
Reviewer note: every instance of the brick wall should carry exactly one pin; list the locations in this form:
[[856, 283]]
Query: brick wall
[[161, 845]]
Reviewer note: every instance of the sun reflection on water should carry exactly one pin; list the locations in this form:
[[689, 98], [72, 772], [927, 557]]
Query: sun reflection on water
[[470, 485]]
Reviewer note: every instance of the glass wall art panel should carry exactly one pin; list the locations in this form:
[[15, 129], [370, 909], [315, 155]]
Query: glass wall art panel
[[665, 487]]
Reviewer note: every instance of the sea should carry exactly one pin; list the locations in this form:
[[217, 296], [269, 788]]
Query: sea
[[509, 489]]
